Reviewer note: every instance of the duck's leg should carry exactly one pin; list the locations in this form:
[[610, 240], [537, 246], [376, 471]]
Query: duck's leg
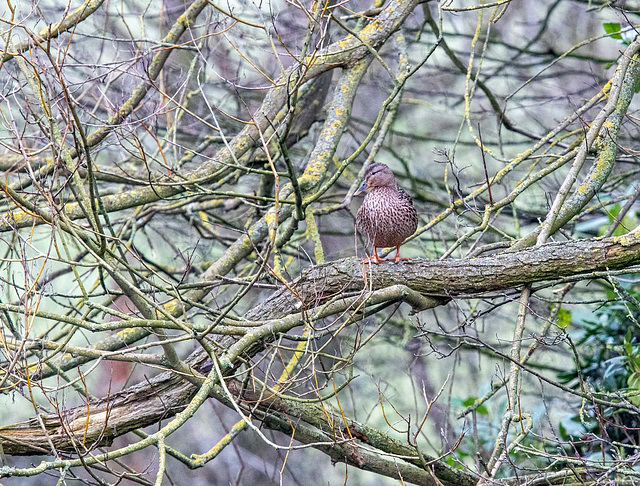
[[375, 258], [397, 258]]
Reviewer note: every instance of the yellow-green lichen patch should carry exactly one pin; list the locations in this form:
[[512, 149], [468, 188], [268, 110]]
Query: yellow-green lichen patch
[[124, 334], [270, 219], [628, 239], [21, 218]]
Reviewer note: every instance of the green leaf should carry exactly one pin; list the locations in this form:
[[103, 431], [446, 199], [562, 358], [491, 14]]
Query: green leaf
[[563, 432], [633, 382], [453, 463], [481, 409], [628, 222], [628, 347], [614, 211], [613, 29], [564, 318]]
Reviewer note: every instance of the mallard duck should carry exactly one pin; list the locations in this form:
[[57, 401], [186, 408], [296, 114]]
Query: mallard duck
[[387, 216]]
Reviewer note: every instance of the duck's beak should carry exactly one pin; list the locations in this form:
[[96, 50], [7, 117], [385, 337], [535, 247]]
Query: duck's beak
[[363, 187]]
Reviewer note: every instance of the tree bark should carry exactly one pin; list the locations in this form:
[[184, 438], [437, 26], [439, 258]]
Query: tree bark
[[454, 278], [163, 396]]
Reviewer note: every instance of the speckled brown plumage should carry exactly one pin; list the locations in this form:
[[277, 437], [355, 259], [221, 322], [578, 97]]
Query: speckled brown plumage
[[387, 216]]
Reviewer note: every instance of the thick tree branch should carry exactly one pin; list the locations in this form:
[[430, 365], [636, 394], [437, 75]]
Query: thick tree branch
[[451, 278], [138, 406]]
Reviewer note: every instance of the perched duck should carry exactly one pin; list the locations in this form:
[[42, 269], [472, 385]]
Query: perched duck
[[387, 216]]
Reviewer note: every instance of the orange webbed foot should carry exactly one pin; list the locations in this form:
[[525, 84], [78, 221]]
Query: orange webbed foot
[[398, 258], [374, 258]]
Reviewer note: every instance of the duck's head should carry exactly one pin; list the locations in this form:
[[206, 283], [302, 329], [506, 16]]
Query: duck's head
[[377, 175]]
